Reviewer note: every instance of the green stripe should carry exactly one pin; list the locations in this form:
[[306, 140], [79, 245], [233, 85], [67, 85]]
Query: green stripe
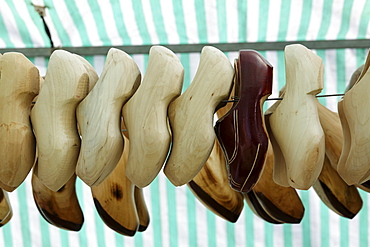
[[326, 17], [249, 226], [324, 219], [158, 21], [118, 238], [118, 18], [139, 239], [185, 60], [21, 25], [343, 235], [99, 228], [242, 21], [364, 217], [305, 19], [78, 21], [139, 15], [45, 234], [192, 219], [23, 205], [346, 14], [263, 20], [287, 232], [268, 234], [306, 236], [211, 228], [8, 234], [82, 233], [172, 214], [99, 21], [284, 19], [201, 21], [156, 212], [180, 21], [63, 238], [230, 234], [62, 33], [221, 21], [364, 21], [4, 34]]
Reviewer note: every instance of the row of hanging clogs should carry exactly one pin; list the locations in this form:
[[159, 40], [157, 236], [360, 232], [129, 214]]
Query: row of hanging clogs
[[72, 86]]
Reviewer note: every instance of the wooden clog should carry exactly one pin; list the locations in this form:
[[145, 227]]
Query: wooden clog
[[295, 123], [336, 194], [99, 117], [54, 119], [241, 132], [60, 208], [354, 114], [93, 76], [281, 203], [114, 199], [6, 211], [19, 84], [191, 116], [257, 208], [145, 115], [142, 210]]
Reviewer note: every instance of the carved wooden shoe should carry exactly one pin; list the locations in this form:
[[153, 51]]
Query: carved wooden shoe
[[6, 211], [241, 132], [295, 123], [59, 208], [145, 116], [211, 184], [257, 208], [142, 210], [99, 116], [336, 194], [114, 199], [191, 116], [54, 119], [354, 114], [281, 203], [19, 84]]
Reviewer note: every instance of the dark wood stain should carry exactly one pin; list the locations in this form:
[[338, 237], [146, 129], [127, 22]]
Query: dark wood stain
[[116, 191]]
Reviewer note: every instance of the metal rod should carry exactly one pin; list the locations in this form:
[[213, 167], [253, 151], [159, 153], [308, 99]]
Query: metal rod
[[317, 96]]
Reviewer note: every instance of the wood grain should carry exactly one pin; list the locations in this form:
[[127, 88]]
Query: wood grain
[[54, 119], [191, 116], [295, 123], [145, 116], [142, 210], [99, 117], [19, 84], [6, 211]]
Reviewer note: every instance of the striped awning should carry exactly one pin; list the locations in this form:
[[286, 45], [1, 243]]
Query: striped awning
[[177, 217]]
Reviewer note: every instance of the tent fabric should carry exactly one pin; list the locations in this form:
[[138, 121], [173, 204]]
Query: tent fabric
[[177, 217]]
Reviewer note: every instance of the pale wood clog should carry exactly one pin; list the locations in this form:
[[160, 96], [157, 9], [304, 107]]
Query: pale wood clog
[[99, 117], [54, 119], [19, 84], [191, 116], [145, 116]]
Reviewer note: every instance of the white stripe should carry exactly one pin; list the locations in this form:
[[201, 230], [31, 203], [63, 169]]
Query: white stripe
[[331, 76], [350, 64], [194, 59], [128, 241], [99, 64], [272, 32], [190, 21], [88, 19], [221, 232], [252, 21], [54, 236], [240, 228], [53, 32], [211, 21], [130, 23], [109, 234], [278, 236], [354, 232], [297, 230], [336, 20], [34, 32], [40, 63], [110, 23], [334, 229], [67, 23], [169, 22], [315, 20], [15, 223], [88, 210], [2, 43], [202, 229], [258, 231], [148, 235], [315, 218], [73, 238], [294, 20], [149, 21], [182, 220], [11, 26], [164, 210], [355, 18], [232, 21]]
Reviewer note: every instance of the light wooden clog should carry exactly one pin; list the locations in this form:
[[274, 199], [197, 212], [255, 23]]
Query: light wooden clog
[[19, 84], [142, 210], [354, 114], [295, 123], [114, 199], [99, 116], [191, 116], [60, 208], [145, 116], [54, 119]]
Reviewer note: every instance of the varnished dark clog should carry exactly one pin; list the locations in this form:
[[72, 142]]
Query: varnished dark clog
[[241, 132]]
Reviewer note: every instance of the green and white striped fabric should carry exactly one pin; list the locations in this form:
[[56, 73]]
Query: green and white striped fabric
[[177, 217]]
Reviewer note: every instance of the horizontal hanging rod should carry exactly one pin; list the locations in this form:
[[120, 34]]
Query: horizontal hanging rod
[[317, 96], [196, 48]]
